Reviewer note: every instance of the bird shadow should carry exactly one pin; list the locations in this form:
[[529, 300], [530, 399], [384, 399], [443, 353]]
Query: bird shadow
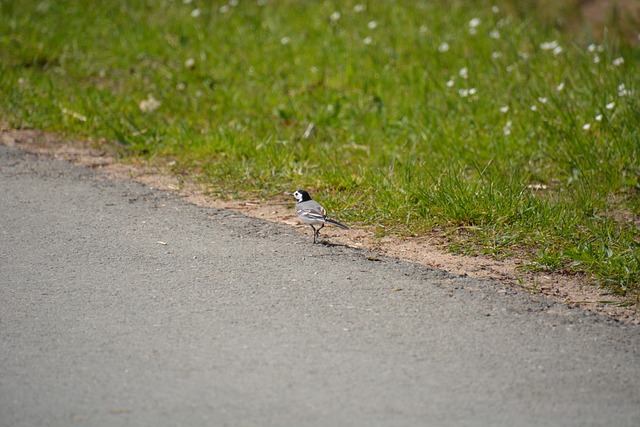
[[331, 244]]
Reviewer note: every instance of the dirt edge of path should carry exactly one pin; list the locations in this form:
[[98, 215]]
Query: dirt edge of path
[[571, 290]]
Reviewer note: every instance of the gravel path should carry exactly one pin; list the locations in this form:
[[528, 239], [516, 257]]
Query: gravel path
[[123, 305]]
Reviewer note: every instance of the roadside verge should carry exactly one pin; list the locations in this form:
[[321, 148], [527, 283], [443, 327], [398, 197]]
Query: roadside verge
[[430, 250]]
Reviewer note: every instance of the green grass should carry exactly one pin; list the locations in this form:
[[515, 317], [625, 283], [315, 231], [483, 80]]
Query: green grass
[[423, 121]]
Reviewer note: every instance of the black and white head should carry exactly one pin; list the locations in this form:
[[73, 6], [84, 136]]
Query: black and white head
[[301, 196]]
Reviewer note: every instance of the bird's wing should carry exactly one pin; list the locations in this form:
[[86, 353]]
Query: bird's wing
[[311, 211]]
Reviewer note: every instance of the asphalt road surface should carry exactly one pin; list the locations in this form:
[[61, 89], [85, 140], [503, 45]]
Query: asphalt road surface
[[124, 305]]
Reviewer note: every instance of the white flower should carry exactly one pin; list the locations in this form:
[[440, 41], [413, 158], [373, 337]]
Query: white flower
[[504, 109], [285, 40], [622, 91], [534, 107], [475, 22], [618, 61], [335, 16], [542, 99], [494, 34], [372, 25], [186, 1], [473, 91], [190, 63], [560, 87], [463, 92], [496, 55], [495, 9], [359, 8], [367, 40], [444, 47], [450, 83], [149, 105], [233, 3], [464, 73], [610, 106], [592, 47], [586, 126], [598, 118], [195, 12], [549, 45], [423, 29], [507, 128], [552, 45], [596, 59]]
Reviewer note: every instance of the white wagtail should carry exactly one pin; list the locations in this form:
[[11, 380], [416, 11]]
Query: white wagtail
[[311, 212]]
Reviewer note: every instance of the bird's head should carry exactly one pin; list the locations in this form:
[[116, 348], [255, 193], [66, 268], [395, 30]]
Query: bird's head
[[301, 196]]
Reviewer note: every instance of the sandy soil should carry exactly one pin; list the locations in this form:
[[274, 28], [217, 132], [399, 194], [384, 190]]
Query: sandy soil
[[427, 250]]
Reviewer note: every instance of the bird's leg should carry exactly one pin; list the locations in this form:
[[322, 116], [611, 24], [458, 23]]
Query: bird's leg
[[314, 233], [318, 232]]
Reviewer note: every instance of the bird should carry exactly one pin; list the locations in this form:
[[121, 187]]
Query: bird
[[311, 212]]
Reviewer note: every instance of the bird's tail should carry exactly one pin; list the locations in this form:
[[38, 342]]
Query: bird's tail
[[336, 223]]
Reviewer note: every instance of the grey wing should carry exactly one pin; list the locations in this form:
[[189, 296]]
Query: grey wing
[[312, 211]]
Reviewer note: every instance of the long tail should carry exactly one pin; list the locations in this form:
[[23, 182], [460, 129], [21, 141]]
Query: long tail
[[336, 223]]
